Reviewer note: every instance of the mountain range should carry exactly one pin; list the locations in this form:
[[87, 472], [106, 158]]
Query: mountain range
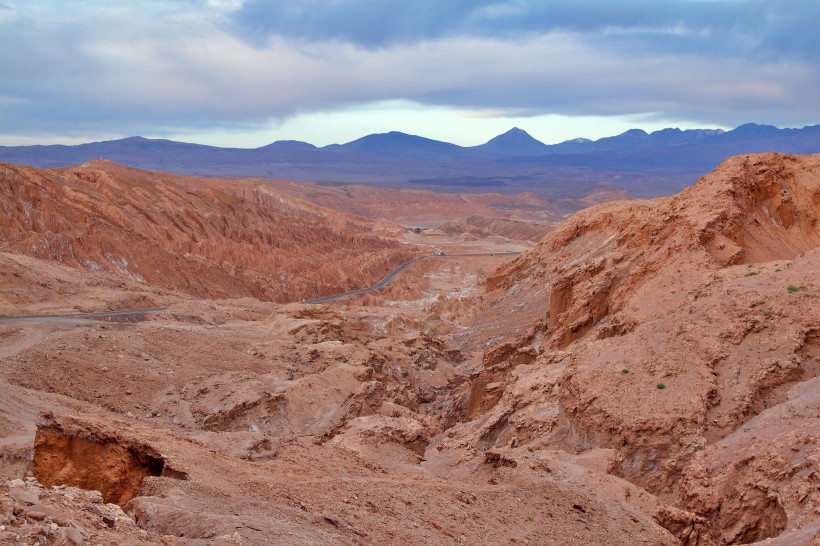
[[645, 164]]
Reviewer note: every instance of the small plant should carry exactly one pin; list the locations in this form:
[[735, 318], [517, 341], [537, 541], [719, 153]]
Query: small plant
[[661, 386], [751, 273], [792, 288], [624, 371], [530, 518], [767, 314], [777, 270]]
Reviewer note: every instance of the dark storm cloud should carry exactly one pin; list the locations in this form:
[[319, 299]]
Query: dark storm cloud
[[163, 66], [749, 27]]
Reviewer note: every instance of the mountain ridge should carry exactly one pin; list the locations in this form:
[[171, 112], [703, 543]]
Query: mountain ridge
[[514, 135], [644, 164]]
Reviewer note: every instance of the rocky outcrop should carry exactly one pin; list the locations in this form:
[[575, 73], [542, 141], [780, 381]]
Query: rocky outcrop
[[671, 331], [67, 452], [33, 514], [751, 209]]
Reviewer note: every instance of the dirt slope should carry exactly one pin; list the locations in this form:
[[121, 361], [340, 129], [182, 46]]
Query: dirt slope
[[647, 374], [629, 253], [681, 335], [415, 207], [208, 238], [482, 227]]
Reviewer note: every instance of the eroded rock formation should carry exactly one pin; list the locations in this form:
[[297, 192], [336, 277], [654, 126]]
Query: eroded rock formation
[[669, 330], [210, 238], [647, 374]]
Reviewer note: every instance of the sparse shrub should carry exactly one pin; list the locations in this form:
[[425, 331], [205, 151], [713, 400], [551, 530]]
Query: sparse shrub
[[751, 273], [624, 371], [530, 518], [661, 386], [777, 270], [767, 314], [792, 288]]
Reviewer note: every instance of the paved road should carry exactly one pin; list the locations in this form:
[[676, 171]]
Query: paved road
[[100, 315], [125, 313], [393, 274]]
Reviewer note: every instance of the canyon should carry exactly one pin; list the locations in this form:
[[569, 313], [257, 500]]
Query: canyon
[[640, 372]]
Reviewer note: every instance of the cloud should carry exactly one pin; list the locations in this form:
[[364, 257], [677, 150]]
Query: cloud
[[755, 27], [157, 67]]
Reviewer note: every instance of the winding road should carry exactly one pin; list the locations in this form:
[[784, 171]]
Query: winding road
[[136, 313], [378, 285]]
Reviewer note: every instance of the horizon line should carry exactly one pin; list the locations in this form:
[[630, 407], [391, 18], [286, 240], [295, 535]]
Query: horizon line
[[161, 139]]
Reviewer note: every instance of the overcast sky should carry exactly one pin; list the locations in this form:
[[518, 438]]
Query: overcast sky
[[246, 73]]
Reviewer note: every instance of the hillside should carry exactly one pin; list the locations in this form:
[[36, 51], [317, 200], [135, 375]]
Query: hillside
[[482, 227], [751, 209], [646, 374], [679, 338], [422, 207], [207, 238]]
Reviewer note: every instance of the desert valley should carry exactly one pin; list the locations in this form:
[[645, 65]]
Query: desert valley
[[639, 372], [379, 273]]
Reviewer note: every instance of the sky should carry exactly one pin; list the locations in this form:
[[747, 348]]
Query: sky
[[244, 73]]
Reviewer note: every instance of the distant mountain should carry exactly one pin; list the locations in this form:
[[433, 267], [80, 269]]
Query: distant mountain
[[133, 151], [514, 142], [636, 139], [755, 131], [289, 145], [644, 164], [396, 144]]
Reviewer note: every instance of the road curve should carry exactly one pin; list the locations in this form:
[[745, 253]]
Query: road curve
[[378, 285]]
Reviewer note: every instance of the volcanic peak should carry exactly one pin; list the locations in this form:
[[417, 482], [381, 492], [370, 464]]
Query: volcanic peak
[[514, 142]]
